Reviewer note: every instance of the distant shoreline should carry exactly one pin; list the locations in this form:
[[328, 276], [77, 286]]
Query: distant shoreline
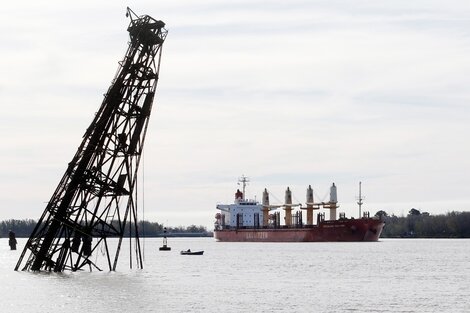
[[210, 235], [24, 228], [423, 225]]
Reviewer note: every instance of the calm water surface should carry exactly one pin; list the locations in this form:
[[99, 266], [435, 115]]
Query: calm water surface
[[393, 275]]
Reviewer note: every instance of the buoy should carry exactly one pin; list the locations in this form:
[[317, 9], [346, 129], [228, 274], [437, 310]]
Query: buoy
[[165, 246]]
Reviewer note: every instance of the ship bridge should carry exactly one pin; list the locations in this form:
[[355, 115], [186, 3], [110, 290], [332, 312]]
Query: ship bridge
[[244, 213]]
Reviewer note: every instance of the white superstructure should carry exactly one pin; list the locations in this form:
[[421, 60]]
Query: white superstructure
[[242, 213]]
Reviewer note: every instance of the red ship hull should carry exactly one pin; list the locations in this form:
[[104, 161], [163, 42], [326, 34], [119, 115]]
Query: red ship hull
[[340, 230]]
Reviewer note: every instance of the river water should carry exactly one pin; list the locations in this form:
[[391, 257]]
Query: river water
[[392, 275]]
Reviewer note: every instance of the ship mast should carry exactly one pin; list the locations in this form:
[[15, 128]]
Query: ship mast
[[244, 180], [360, 202]]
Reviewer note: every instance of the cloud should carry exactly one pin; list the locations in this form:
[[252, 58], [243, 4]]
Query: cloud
[[289, 94]]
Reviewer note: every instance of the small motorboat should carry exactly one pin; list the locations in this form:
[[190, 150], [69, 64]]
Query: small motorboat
[[189, 252]]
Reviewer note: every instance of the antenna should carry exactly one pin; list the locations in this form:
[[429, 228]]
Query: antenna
[[244, 180], [360, 198]]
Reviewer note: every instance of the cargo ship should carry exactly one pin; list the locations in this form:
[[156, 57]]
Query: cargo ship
[[250, 221]]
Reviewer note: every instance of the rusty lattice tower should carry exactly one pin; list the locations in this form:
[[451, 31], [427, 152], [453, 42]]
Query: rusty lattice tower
[[96, 198]]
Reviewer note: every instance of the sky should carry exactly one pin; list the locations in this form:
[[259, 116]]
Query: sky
[[288, 93]]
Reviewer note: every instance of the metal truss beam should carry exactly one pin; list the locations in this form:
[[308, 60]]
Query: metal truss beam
[[96, 198]]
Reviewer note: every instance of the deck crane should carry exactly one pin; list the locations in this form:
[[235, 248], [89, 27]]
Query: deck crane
[[96, 199]]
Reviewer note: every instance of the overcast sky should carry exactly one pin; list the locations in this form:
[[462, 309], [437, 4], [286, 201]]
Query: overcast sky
[[289, 93]]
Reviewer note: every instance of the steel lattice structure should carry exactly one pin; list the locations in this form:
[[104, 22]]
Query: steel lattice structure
[[97, 197]]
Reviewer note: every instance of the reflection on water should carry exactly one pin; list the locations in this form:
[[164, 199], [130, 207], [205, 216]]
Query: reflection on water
[[401, 275]]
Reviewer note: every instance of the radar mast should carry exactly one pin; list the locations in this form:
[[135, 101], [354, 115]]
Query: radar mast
[[244, 180], [360, 200]]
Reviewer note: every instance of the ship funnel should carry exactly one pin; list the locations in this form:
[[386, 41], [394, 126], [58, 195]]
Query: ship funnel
[[310, 194], [333, 196], [265, 197], [239, 195]]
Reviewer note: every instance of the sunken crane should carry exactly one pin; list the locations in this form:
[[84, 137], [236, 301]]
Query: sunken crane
[[97, 197]]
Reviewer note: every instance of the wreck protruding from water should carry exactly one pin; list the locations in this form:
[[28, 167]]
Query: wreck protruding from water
[[97, 196]]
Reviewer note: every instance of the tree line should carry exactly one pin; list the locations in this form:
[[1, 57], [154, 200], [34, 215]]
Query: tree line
[[425, 225], [414, 225], [24, 228]]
